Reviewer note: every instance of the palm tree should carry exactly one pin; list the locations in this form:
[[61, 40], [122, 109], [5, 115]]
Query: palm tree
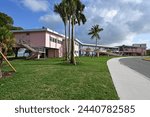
[[6, 42], [77, 16], [71, 11], [61, 9], [68, 13], [94, 32]]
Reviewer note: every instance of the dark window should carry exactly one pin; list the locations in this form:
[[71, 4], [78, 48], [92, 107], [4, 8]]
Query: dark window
[[27, 33], [53, 40], [50, 38]]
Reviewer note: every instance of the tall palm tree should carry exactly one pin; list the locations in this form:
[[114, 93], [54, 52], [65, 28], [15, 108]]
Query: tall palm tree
[[77, 16], [94, 32], [61, 9], [7, 41], [71, 10], [80, 17], [67, 5]]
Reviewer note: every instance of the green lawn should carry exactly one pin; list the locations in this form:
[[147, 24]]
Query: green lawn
[[54, 79]]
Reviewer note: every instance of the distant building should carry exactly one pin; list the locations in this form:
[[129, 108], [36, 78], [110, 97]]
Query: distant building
[[134, 50], [140, 45], [89, 49]]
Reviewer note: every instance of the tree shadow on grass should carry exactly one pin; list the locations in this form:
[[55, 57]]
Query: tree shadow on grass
[[66, 63]]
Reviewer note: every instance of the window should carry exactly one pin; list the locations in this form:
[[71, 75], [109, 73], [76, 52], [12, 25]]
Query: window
[[28, 33], [53, 39], [60, 42], [50, 38]]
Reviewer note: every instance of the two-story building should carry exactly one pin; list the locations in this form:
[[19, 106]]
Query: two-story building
[[134, 50], [49, 42]]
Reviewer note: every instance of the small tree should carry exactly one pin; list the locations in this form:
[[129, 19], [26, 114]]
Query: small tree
[[6, 43], [94, 32]]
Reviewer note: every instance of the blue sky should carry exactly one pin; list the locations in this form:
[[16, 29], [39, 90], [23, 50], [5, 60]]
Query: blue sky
[[124, 21]]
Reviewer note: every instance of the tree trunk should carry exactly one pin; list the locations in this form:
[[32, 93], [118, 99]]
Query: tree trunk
[[72, 61], [1, 61], [97, 52], [69, 41], [16, 52], [66, 49], [96, 44]]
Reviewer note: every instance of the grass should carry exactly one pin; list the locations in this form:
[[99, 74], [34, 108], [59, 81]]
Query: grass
[[52, 79]]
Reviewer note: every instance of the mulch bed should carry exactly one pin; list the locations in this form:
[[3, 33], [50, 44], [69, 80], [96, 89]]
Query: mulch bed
[[7, 74], [147, 59]]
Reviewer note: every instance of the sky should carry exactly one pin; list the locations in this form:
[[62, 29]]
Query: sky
[[125, 22]]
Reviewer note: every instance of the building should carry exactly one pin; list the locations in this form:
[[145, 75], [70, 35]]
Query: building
[[89, 49], [48, 42], [51, 44], [134, 50], [44, 40]]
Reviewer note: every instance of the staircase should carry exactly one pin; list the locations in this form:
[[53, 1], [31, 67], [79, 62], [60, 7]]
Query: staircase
[[110, 53], [34, 53]]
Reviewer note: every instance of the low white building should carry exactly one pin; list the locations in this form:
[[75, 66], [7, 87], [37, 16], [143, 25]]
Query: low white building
[[89, 49]]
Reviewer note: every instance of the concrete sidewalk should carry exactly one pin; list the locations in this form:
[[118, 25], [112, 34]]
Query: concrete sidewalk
[[130, 85]]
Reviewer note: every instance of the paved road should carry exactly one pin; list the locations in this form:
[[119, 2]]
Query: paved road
[[137, 64]]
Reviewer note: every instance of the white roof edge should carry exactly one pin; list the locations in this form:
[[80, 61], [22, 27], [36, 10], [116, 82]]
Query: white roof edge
[[40, 29], [27, 30], [78, 41]]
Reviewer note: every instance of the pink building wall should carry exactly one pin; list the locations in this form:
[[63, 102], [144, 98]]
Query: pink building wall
[[133, 51], [38, 39], [34, 39], [55, 42]]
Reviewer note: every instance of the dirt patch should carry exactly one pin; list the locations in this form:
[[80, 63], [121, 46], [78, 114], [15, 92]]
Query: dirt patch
[[7, 74], [146, 59]]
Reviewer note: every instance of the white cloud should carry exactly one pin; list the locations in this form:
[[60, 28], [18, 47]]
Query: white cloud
[[36, 5], [52, 21], [108, 15], [50, 18], [133, 1]]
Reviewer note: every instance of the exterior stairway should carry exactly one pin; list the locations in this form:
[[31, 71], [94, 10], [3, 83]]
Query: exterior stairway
[[34, 53], [109, 53]]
